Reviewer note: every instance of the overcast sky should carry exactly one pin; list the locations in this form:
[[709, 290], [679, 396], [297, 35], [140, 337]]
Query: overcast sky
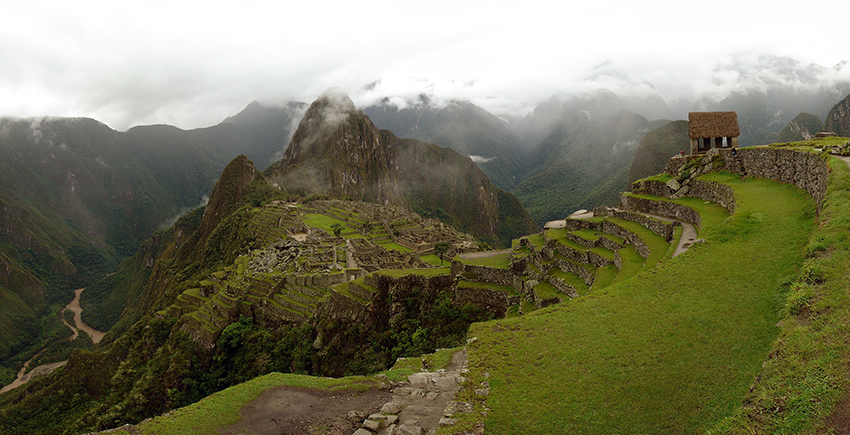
[[192, 64]]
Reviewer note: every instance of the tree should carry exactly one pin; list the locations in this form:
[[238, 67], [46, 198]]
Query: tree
[[440, 249], [337, 229]]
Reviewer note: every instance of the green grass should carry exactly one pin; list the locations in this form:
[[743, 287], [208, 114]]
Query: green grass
[[324, 222], [604, 277], [434, 260], [806, 376], [672, 350], [500, 260], [222, 409], [405, 367], [536, 240], [576, 281], [544, 290], [588, 234], [632, 264]]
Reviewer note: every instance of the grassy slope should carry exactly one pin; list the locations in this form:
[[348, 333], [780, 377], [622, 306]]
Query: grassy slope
[[671, 351], [805, 381]]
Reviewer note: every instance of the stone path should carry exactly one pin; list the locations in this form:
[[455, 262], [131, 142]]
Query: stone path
[[421, 405]]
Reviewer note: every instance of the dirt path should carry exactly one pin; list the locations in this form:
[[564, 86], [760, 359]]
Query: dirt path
[[291, 410], [415, 406]]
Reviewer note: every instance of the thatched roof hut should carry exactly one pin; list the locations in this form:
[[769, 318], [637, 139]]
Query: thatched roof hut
[[719, 129], [713, 124]]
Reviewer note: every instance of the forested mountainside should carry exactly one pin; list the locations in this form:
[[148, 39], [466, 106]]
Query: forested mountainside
[[461, 126], [77, 196], [249, 284]]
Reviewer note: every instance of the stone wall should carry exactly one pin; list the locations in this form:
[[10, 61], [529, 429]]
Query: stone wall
[[494, 275], [662, 228], [493, 300], [661, 208], [640, 246], [715, 192], [576, 269], [808, 171]]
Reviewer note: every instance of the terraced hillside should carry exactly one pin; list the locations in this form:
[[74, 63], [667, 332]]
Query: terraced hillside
[[309, 254]]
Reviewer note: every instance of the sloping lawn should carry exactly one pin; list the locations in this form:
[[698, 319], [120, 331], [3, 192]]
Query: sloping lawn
[[673, 350]]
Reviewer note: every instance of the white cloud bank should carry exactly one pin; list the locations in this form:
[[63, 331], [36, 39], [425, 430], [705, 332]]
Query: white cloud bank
[[192, 64]]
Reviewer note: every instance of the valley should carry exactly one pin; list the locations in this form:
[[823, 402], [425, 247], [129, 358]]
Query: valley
[[360, 252], [26, 373]]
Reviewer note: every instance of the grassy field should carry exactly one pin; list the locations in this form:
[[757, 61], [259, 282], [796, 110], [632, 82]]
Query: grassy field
[[673, 350]]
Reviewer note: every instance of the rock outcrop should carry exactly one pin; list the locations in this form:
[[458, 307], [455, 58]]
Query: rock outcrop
[[337, 151]]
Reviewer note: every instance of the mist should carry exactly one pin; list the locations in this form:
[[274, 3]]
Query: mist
[[198, 65]]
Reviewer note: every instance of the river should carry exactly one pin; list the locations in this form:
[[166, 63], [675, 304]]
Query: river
[[44, 369]]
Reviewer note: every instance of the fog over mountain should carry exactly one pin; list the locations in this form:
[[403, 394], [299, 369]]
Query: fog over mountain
[[191, 65]]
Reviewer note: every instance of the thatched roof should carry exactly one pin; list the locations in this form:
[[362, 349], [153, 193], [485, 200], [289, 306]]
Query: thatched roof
[[713, 124]]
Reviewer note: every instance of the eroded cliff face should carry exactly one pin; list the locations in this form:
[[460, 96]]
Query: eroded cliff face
[[838, 119], [803, 127]]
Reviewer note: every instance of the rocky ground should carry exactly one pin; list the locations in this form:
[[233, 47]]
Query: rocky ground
[[416, 407]]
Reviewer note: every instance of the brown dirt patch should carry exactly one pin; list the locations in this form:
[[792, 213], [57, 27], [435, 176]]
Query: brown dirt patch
[[291, 410], [839, 421]]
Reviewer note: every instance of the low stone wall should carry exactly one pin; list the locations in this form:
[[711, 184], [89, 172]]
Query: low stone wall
[[598, 260], [566, 251], [609, 244], [715, 192], [662, 228], [807, 171], [563, 287], [492, 300], [640, 246], [494, 275], [582, 241], [575, 269], [581, 224], [661, 208]]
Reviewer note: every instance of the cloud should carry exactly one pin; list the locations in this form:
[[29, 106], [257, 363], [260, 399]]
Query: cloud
[[479, 160], [132, 64]]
